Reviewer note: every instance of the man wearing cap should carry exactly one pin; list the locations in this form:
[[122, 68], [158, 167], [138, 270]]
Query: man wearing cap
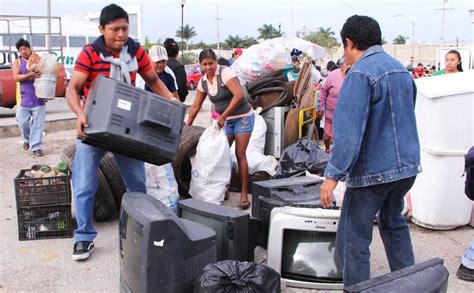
[[235, 55], [159, 57]]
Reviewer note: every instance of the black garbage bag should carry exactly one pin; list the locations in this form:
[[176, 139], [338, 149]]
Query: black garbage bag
[[231, 276], [301, 156]]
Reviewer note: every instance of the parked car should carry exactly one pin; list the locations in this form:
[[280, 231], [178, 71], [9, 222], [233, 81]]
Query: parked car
[[8, 86], [193, 74]]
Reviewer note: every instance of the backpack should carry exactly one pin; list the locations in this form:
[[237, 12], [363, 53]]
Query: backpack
[[469, 172]]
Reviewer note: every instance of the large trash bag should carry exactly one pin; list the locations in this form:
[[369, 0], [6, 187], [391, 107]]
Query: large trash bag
[[238, 277], [301, 156]]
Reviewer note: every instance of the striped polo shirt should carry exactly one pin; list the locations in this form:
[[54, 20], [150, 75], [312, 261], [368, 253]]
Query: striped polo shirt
[[90, 63]]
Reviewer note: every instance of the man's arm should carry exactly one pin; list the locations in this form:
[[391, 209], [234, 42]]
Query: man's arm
[[157, 85], [181, 81], [75, 86], [21, 77]]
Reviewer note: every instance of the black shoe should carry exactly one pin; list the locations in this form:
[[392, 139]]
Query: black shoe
[[82, 250], [465, 274]]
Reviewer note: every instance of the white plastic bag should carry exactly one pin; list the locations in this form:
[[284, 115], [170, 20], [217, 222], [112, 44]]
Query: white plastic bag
[[256, 160], [211, 169], [161, 184]]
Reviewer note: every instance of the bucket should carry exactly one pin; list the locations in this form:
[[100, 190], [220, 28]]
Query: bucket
[[45, 86]]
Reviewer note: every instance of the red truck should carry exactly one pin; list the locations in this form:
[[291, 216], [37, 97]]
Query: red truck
[[8, 86]]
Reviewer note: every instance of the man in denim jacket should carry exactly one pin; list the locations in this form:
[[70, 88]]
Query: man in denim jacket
[[376, 151]]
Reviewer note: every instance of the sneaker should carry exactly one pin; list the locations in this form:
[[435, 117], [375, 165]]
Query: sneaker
[[83, 250], [38, 153], [465, 273]]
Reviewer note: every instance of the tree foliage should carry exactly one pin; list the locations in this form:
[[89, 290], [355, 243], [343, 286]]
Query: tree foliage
[[238, 42], [400, 40], [186, 33], [268, 31], [147, 44], [324, 37]]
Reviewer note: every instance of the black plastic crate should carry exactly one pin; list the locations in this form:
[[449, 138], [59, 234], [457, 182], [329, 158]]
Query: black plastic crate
[[45, 223], [44, 191]]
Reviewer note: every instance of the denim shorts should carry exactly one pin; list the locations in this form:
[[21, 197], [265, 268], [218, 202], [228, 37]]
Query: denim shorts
[[240, 125]]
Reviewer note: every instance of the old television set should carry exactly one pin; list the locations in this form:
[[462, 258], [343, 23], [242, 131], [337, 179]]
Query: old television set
[[302, 247], [297, 192], [428, 276], [133, 122], [231, 227], [160, 252]]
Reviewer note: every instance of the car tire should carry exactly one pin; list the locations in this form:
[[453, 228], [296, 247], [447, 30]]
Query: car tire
[[192, 86], [112, 173], [182, 163], [104, 207]]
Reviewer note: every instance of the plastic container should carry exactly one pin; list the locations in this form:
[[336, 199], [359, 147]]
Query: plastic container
[[444, 112], [437, 197], [45, 223], [44, 191], [45, 86]]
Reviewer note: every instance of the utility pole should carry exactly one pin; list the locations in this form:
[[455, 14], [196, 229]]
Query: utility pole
[[218, 40], [442, 18], [48, 36], [291, 15]]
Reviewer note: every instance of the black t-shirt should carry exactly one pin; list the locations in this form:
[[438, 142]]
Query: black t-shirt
[[180, 74]]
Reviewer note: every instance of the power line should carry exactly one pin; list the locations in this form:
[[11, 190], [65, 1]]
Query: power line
[[442, 18]]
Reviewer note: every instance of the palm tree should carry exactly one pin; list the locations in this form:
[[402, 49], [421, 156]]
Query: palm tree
[[323, 37], [186, 33], [400, 40], [234, 41], [268, 31]]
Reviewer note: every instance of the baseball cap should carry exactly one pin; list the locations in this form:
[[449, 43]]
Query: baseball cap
[[238, 51], [157, 53]]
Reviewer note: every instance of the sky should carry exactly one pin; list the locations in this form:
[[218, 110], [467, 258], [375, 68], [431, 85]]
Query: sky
[[161, 18]]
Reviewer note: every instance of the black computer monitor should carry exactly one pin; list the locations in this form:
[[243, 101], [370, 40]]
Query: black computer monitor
[[158, 251], [231, 227], [428, 276]]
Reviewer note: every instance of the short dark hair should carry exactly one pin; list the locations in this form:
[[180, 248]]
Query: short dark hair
[[363, 31], [223, 61], [420, 64], [110, 13], [455, 52], [22, 42], [207, 53], [172, 48]]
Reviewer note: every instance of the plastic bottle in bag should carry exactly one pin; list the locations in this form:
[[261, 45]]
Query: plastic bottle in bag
[[173, 187]]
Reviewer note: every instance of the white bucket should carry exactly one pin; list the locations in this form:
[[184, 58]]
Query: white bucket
[[45, 86], [437, 197]]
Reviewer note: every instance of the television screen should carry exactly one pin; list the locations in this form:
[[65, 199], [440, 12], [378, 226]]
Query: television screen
[[231, 227], [160, 252], [310, 256]]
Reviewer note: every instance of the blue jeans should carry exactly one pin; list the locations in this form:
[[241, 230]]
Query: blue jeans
[[468, 258], [240, 125], [84, 184], [354, 233], [31, 123]]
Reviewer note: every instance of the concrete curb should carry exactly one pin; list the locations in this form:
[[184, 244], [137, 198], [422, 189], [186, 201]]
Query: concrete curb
[[12, 130]]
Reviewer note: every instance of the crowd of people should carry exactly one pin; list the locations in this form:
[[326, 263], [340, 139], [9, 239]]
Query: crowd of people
[[377, 166]]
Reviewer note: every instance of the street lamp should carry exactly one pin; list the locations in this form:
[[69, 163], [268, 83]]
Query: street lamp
[[412, 33], [279, 28], [182, 28]]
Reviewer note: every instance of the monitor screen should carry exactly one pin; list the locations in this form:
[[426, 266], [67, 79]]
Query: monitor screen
[[215, 224], [310, 256], [131, 230]]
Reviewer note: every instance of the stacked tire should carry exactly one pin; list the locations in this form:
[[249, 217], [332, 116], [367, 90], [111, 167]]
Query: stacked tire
[[111, 186]]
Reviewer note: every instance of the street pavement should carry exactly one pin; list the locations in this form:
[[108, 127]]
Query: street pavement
[[47, 266]]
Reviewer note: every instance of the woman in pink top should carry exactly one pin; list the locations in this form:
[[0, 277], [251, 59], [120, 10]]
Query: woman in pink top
[[327, 100]]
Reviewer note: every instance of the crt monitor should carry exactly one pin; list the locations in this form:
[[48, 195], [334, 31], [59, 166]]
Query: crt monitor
[[231, 227], [428, 276], [302, 247], [158, 251]]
